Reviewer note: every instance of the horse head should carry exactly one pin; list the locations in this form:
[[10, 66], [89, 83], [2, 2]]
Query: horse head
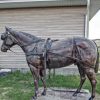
[[8, 40], [11, 37]]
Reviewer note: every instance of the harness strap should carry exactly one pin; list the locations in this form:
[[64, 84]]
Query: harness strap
[[47, 47]]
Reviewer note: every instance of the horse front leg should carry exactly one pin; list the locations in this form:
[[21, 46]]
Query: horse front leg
[[82, 79], [35, 75], [43, 81]]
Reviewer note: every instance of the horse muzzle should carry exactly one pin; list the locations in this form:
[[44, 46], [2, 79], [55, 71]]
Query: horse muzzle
[[4, 49]]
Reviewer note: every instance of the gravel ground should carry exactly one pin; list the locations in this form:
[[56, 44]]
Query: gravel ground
[[64, 94]]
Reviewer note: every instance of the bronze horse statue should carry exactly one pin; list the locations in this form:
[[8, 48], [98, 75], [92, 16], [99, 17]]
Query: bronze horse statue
[[56, 54]]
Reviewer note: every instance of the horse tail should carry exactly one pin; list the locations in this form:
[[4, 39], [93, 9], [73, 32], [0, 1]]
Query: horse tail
[[97, 63]]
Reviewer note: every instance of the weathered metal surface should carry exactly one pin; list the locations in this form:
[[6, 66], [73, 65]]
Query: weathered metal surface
[[61, 53]]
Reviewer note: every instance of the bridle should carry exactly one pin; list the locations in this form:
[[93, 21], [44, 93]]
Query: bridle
[[4, 38]]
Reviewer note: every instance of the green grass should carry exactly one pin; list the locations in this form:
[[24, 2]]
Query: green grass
[[18, 86]]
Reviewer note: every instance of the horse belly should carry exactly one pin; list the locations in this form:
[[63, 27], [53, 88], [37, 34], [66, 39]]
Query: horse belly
[[58, 62]]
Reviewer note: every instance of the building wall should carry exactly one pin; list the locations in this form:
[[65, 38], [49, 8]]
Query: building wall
[[55, 22], [94, 7]]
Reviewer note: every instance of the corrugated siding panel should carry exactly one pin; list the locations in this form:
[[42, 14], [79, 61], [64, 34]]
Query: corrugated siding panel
[[40, 3], [57, 23]]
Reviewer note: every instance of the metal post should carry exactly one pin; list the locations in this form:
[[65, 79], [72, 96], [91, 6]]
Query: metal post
[[87, 19], [49, 73], [54, 72], [45, 66]]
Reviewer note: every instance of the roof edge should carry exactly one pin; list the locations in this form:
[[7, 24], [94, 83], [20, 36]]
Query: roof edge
[[50, 3]]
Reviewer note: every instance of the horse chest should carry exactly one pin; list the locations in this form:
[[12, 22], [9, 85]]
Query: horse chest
[[34, 60], [58, 62]]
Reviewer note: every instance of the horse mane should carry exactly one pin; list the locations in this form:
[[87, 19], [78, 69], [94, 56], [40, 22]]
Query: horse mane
[[27, 34], [21, 34]]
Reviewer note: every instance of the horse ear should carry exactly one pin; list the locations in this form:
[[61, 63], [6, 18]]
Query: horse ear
[[6, 28]]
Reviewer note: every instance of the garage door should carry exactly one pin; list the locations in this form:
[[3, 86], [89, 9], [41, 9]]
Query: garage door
[[56, 23]]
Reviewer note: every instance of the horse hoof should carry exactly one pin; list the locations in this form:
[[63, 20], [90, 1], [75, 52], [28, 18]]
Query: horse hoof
[[90, 98], [75, 94], [43, 93], [34, 98]]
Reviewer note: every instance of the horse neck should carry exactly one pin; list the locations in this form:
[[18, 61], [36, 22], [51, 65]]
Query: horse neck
[[21, 42], [23, 38], [28, 43]]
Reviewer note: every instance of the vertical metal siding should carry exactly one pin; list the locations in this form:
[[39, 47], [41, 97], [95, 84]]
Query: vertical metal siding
[[57, 23]]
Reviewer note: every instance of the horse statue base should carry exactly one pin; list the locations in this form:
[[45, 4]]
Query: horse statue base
[[64, 94]]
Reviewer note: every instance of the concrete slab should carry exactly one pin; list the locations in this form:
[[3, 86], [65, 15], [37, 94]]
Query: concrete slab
[[64, 94]]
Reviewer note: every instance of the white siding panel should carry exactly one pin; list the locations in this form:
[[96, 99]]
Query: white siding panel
[[57, 23]]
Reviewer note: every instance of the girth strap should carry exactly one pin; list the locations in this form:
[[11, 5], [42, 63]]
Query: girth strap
[[47, 47], [48, 44]]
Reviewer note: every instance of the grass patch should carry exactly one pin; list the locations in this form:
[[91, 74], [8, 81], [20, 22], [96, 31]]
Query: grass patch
[[18, 86]]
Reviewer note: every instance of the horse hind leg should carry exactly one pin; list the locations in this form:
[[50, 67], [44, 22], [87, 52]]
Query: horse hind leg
[[82, 79], [92, 77]]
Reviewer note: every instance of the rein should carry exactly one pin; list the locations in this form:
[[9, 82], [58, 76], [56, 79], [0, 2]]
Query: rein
[[13, 51]]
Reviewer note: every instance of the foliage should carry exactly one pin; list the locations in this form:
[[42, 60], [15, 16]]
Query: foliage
[[19, 86]]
